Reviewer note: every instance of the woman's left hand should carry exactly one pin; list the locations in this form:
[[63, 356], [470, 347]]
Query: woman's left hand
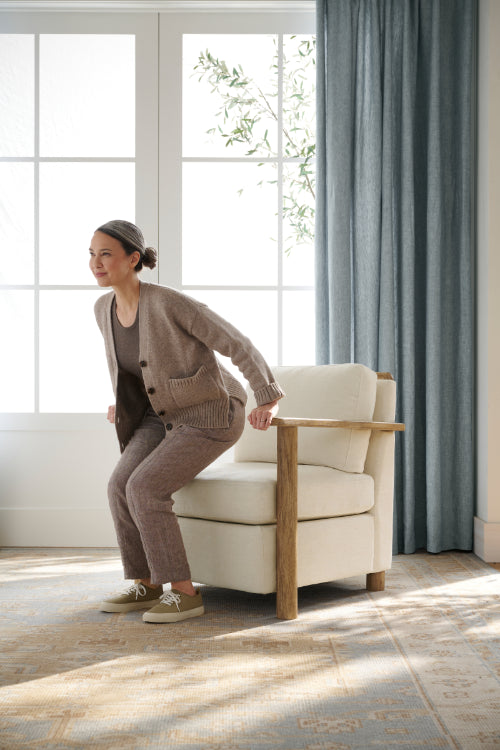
[[260, 418]]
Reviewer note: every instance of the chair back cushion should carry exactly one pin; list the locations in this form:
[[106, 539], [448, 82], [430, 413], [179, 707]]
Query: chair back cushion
[[319, 392]]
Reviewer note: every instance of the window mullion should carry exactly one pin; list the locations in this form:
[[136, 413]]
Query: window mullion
[[36, 186], [280, 199]]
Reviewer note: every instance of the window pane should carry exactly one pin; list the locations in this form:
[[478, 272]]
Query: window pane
[[87, 95], [17, 94], [229, 222], [253, 313], [299, 94], [298, 328], [298, 226], [17, 385], [74, 200], [16, 225], [230, 84], [73, 373]]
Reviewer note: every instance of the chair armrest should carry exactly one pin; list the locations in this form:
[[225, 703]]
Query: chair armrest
[[344, 424], [286, 501]]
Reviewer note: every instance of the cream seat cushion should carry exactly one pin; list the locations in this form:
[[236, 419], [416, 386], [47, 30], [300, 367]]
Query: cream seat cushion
[[319, 392], [245, 492]]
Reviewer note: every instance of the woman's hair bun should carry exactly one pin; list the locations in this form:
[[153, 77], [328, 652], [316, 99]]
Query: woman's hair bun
[[150, 257]]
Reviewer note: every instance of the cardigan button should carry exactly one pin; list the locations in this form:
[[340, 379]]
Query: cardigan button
[[151, 390], [143, 363], [169, 426]]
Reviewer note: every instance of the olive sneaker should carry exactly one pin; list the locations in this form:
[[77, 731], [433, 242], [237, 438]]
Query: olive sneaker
[[138, 596], [175, 606]]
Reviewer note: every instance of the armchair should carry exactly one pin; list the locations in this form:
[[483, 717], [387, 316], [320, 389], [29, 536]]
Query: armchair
[[305, 507]]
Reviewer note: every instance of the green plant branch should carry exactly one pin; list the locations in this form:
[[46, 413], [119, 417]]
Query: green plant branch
[[246, 104]]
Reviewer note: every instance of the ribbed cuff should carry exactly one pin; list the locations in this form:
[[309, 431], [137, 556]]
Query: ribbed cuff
[[269, 393]]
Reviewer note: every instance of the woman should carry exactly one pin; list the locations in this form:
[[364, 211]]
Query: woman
[[177, 409]]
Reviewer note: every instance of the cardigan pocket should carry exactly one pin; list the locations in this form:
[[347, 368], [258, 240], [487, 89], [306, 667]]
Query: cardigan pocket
[[194, 390]]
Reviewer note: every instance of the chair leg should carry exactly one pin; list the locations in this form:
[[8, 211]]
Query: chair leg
[[286, 525], [375, 581]]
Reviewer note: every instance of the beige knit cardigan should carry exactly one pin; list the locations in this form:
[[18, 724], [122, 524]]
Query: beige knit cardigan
[[184, 380]]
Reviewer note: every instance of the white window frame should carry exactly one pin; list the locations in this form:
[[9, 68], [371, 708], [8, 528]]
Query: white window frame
[[145, 28], [159, 26], [172, 28]]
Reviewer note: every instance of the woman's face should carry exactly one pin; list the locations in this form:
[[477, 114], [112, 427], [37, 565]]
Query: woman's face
[[109, 262]]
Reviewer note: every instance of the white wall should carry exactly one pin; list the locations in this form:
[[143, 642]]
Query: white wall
[[53, 483], [487, 522]]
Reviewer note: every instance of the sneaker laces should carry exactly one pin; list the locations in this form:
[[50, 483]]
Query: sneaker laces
[[138, 589], [169, 597]]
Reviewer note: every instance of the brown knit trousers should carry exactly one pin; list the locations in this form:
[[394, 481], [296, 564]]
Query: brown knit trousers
[[154, 465]]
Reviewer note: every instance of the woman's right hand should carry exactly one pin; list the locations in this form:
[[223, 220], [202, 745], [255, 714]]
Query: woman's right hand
[[111, 414]]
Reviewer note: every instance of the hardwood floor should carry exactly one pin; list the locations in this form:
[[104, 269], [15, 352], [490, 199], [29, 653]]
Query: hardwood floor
[[495, 565]]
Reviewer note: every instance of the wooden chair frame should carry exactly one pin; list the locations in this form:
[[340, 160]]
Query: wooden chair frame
[[286, 504]]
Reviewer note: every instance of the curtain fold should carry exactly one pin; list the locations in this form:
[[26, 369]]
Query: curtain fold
[[394, 237]]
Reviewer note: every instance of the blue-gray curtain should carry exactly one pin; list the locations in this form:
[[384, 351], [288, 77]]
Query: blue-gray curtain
[[395, 237]]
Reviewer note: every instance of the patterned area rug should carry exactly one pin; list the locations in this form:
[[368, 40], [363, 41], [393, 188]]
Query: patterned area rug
[[415, 666]]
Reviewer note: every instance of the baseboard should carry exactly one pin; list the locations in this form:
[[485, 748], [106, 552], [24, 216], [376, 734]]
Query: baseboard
[[487, 540], [56, 527]]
